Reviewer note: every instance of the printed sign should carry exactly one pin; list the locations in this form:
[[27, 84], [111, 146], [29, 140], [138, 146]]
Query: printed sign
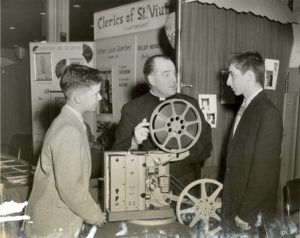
[[131, 18]]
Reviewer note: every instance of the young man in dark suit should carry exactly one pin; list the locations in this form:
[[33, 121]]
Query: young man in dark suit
[[253, 157]]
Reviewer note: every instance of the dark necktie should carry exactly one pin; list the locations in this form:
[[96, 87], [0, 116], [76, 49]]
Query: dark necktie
[[239, 115]]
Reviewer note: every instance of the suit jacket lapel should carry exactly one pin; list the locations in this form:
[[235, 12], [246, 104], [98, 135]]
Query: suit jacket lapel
[[245, 118]]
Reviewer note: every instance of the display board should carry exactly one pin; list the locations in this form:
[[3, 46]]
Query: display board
[[147, 45], [116, 55], [47, 61], [124, 38]]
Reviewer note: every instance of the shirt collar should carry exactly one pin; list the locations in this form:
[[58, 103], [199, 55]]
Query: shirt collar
[[160, 98], [247, 102], [77, 114]]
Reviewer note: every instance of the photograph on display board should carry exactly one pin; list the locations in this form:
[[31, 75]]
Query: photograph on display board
[[205, 104], [43, 66], [211, 118], [269, 79], [106, 91], [208, 105], [271, 73]]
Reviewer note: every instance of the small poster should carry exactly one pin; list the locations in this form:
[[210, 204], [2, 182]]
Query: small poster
[[43, 66], [106, 91], [271, 73], [208, 105]]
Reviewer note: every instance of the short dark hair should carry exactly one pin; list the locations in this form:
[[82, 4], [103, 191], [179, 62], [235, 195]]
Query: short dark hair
[[249, 61], [149, 66], [78, 77]]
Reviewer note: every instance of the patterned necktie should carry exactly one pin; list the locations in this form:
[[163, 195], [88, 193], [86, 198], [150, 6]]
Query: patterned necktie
[[239, 115]]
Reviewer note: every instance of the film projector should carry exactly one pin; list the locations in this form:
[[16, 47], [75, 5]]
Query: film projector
[[137, 185]]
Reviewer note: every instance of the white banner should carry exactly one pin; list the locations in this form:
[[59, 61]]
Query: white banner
[[131, 18]]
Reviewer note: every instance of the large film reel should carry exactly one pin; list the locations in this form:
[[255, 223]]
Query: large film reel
[[204, 207], [175, 125]]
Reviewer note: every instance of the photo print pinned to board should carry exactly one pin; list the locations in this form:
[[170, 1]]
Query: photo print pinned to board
[[43, 66], [208, 105], [271, 73], [106, 104]]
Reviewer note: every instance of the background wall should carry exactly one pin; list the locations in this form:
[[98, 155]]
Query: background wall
[[15, 102], [30, 26]]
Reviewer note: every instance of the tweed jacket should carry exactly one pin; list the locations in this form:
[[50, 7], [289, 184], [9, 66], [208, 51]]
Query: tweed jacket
[[60, 200], [253, 162]]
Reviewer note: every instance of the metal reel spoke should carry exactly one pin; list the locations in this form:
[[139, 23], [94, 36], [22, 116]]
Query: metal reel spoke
[[173, 110], [169, 137], [205, 207], [215, 194], [196, 218], [188, 135], [179, 142], [215, 216], [192, 198], [162, 116], [203, 190], [175, 125], [186, 111], [191, 123], [205, 221], [162, 129]]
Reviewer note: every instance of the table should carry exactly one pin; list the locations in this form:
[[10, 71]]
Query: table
[[15, 183]]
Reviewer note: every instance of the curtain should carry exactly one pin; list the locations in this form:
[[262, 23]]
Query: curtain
[[15, 99], [209, 35], [297, 157], [272, 9]]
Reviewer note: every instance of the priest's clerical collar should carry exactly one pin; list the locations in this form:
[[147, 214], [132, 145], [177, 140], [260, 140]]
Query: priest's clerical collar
[[160, 98]]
